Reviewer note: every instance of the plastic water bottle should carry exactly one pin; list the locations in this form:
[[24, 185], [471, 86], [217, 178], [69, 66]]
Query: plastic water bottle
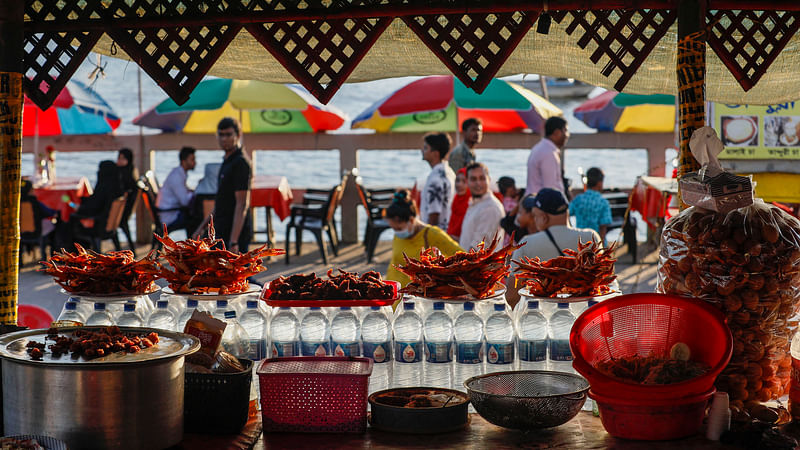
[[376, 340], [163, 318], [71, 313], [255, 324], [315, 333], [85, 308], [100, 316], [408, 347], [186, 314], [235, 339], [221, 309], [438, 332], [558, 329], [499, 337], [532, 338], [345, 333], [284, 333], [469, 345], [129, 317]]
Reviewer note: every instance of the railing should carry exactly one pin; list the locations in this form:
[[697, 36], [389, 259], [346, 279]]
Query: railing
[[348, 145]]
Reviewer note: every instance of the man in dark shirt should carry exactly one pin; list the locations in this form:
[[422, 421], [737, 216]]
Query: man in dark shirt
[[232, 218]]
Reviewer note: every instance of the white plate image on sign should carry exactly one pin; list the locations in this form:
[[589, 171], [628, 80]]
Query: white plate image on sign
[[740, 130]]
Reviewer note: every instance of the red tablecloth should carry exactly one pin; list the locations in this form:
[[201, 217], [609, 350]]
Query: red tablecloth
[[651, 196], [53, 194], [272, 191]]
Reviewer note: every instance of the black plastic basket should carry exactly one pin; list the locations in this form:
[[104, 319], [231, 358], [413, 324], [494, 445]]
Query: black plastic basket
[[217, 402]]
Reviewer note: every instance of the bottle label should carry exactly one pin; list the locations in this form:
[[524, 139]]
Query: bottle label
[[469, 353], [439, 352], [258, 349], [499, 353], [378, 351], [346, 349], [794, 389], [559, 350], [280, 349], [408, 352], [533, 351], [316, 348]]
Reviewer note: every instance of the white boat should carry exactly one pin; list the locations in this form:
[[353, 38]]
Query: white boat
[[556, 87]]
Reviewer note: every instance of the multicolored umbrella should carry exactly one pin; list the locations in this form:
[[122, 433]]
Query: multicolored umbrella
[[629, 113], [262, 108], [77, 110], [442, 102]]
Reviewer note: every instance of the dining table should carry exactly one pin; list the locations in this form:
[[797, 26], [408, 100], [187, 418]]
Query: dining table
[[273, 193], [61, 192]]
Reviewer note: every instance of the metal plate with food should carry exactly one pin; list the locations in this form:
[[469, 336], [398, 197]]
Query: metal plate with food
[[343, 289], [419, 410], [524, 292], [212, 296], [496, 294], [170, 344], [32, 441], [109, 298]]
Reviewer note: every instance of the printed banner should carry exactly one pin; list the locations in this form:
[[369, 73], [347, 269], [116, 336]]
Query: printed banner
[[10, 157], [759, 132]]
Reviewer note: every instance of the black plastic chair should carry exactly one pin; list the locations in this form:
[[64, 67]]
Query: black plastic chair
[[104, 226], [130, 204], [30, 230], [316, 214], [148, 186], [373, 201]]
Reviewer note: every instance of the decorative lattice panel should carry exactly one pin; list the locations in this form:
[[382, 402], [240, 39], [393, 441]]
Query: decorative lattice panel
[[321, 54], [50, 61], [43, 11], [622, 38], [472, 46], [748, 42], [177, 58]]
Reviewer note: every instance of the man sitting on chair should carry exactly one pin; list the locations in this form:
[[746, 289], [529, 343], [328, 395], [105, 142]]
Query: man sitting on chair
[[174, 197]]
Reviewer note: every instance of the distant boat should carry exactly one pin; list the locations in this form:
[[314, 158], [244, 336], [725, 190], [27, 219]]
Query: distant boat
[[556, 87]]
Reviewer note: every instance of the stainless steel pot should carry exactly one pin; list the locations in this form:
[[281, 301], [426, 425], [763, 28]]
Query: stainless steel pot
[[125, 401]]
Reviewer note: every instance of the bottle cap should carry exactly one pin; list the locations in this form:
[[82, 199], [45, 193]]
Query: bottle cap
[[222, 303], [285, 308], [563, 305], [438, 306], [230, 314], [162, 304], [533, 304], [592, 303], [315, 308], [129, 307], [499, 306], [251, 304], [99, 306], [344, 308], [71, 306], [407, 306], [191, 303], [469, 306], [375, 308]]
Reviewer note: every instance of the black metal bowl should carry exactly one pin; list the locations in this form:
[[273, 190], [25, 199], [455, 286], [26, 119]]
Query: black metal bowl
[[528, 399], [389, 415]]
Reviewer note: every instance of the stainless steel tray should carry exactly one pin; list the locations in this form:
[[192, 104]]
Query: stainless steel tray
[[170, 345]]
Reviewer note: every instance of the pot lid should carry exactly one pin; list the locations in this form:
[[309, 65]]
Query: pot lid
[[171, 344]]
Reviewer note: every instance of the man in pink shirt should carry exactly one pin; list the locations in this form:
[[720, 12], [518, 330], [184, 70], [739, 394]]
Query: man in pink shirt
[[544, 162]]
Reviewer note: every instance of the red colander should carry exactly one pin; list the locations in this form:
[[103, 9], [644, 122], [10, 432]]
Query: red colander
[[645, 324]]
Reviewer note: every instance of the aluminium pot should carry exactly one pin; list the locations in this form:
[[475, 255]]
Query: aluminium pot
[[125, 401]]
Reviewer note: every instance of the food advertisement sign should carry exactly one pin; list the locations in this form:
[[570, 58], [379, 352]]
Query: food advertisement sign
[[759, 132]]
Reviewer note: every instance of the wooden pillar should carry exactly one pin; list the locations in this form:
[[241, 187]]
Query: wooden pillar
[[11, 39], [348, 160], [691, 71], [144, 161]]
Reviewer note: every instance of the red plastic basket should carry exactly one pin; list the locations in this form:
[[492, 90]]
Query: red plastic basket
[[314, 394], [645, 324]]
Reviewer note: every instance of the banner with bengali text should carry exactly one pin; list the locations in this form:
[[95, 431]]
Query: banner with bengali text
[[759, 132]]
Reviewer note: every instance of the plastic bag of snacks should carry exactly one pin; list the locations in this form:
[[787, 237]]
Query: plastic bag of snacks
[[746, 262]]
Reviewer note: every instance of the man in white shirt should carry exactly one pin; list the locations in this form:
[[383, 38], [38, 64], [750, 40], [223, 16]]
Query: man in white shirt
[[482, 220], [544, 161], [437, 195], [174, 196], [551, 218]]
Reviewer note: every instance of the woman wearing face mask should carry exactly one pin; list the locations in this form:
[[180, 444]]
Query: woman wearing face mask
[[460, 204], [412, 235]]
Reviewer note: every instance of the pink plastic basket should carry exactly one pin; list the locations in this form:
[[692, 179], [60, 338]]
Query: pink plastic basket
[[314, 394]]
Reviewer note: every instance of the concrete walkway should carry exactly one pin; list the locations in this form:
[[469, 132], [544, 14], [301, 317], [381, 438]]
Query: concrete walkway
[[38, 289]]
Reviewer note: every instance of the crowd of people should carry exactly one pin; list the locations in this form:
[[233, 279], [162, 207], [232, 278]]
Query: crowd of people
[[460, 206]]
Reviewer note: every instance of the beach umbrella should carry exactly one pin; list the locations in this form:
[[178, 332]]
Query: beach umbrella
[[442, 102], [261, 107], [76, 110], [629, 113]]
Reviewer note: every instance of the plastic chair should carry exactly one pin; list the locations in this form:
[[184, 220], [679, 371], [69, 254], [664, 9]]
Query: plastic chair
[[33, 317], [103, 227], [148, 188], [316, 214], [373, 201]]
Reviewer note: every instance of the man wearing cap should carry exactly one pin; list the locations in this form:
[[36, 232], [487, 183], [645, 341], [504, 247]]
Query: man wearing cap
[[555, 234], [482, 220], [544, 161]]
